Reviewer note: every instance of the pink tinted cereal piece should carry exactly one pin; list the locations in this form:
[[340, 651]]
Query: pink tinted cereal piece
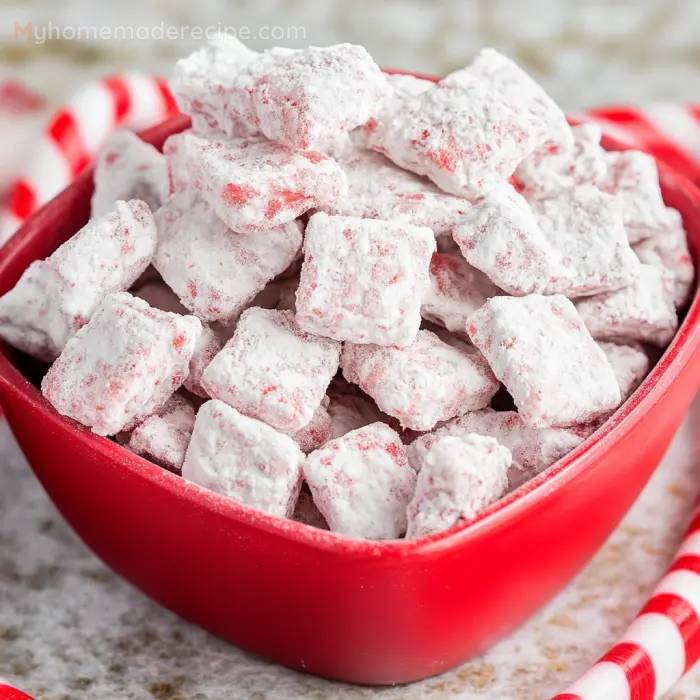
[[584, 225], [422, 384], [307, 512], [164, 436], [669, 250], [255, 185], [56, 297], [377, 189], [310, 98], [272, 370], [352, 411], [643, 311], [630, 364], [127, 168], [462, 135], [122, 366], [208, 346], [363, 279], [176, 162], [244, 459], [554, 167], [456, 290], [213, 270], [203, 87], [534, 449], [511, 81], [501, 237], [541, 350], [458, 477], [634, 178], [318, 432], [362, 483]]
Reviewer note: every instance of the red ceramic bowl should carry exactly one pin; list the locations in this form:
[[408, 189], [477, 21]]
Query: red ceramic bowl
[[369, 612]]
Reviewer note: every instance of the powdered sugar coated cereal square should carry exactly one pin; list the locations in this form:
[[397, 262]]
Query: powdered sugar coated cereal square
[[318, 431], [176, 161], [122, 366], [427, 382], [215, 271], [630, 364], [362, 483], [244, 459], [643, 311], [163, 437], [458, 477], [544, 355], [272, 370], [363, 279]]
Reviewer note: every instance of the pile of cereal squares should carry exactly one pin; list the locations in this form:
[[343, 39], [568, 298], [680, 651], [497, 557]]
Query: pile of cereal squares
[[308, 302]]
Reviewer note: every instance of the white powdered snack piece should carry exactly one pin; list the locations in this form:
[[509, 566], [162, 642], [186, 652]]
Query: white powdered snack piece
[[362, 483], [630, 364], [544, 355], [363, 279], [214, 271], [458, 477], [318, 431], [244, 459], [122, 366]]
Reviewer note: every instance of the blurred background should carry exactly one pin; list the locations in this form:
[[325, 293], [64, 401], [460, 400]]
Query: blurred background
[[585, 52]]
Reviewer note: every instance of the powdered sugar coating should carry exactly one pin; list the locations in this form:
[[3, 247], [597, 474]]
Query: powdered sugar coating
[[128, 168], [404, 86], [363, 279], [176, 161], [534, 449], [243, 459], [643, 311], [630, 364], [163, 437], [362, 483], [584, 225], [122, 366], [213, 270], [255, 185], [422, 384], [272, 370], [501, 237], [463, 135], [458, 476], [456, 290], [318, 431], [208, 346], [540, 349], [669, 250], [56, 297]]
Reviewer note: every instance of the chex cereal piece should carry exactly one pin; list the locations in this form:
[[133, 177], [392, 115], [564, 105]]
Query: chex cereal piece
[[244, 459], [308, 99], [422, 384], [554, 167], [272, 370], [203, 87], [362, 483], [176, 162], [669, 250], [377, 189], [511, 81], [585, 227], [318, 432], [213, 270], [352, 411], [209, 345], [634, 178], [501, 237], [540, 349], [534, 449], [56, 297], [307, 512], [643, 311], [122, 366], [456, 290], [163, 437], [128, 168], [630, 364], [458, 477], [255, 185], [363, 279], [463, 135]]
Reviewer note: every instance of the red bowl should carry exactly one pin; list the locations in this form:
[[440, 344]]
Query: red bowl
[[369, 612]]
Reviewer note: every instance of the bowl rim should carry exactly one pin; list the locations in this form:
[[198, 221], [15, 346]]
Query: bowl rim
[[498, 515]]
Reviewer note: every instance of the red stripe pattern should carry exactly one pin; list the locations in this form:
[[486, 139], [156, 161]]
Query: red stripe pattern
[[119, 90]]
